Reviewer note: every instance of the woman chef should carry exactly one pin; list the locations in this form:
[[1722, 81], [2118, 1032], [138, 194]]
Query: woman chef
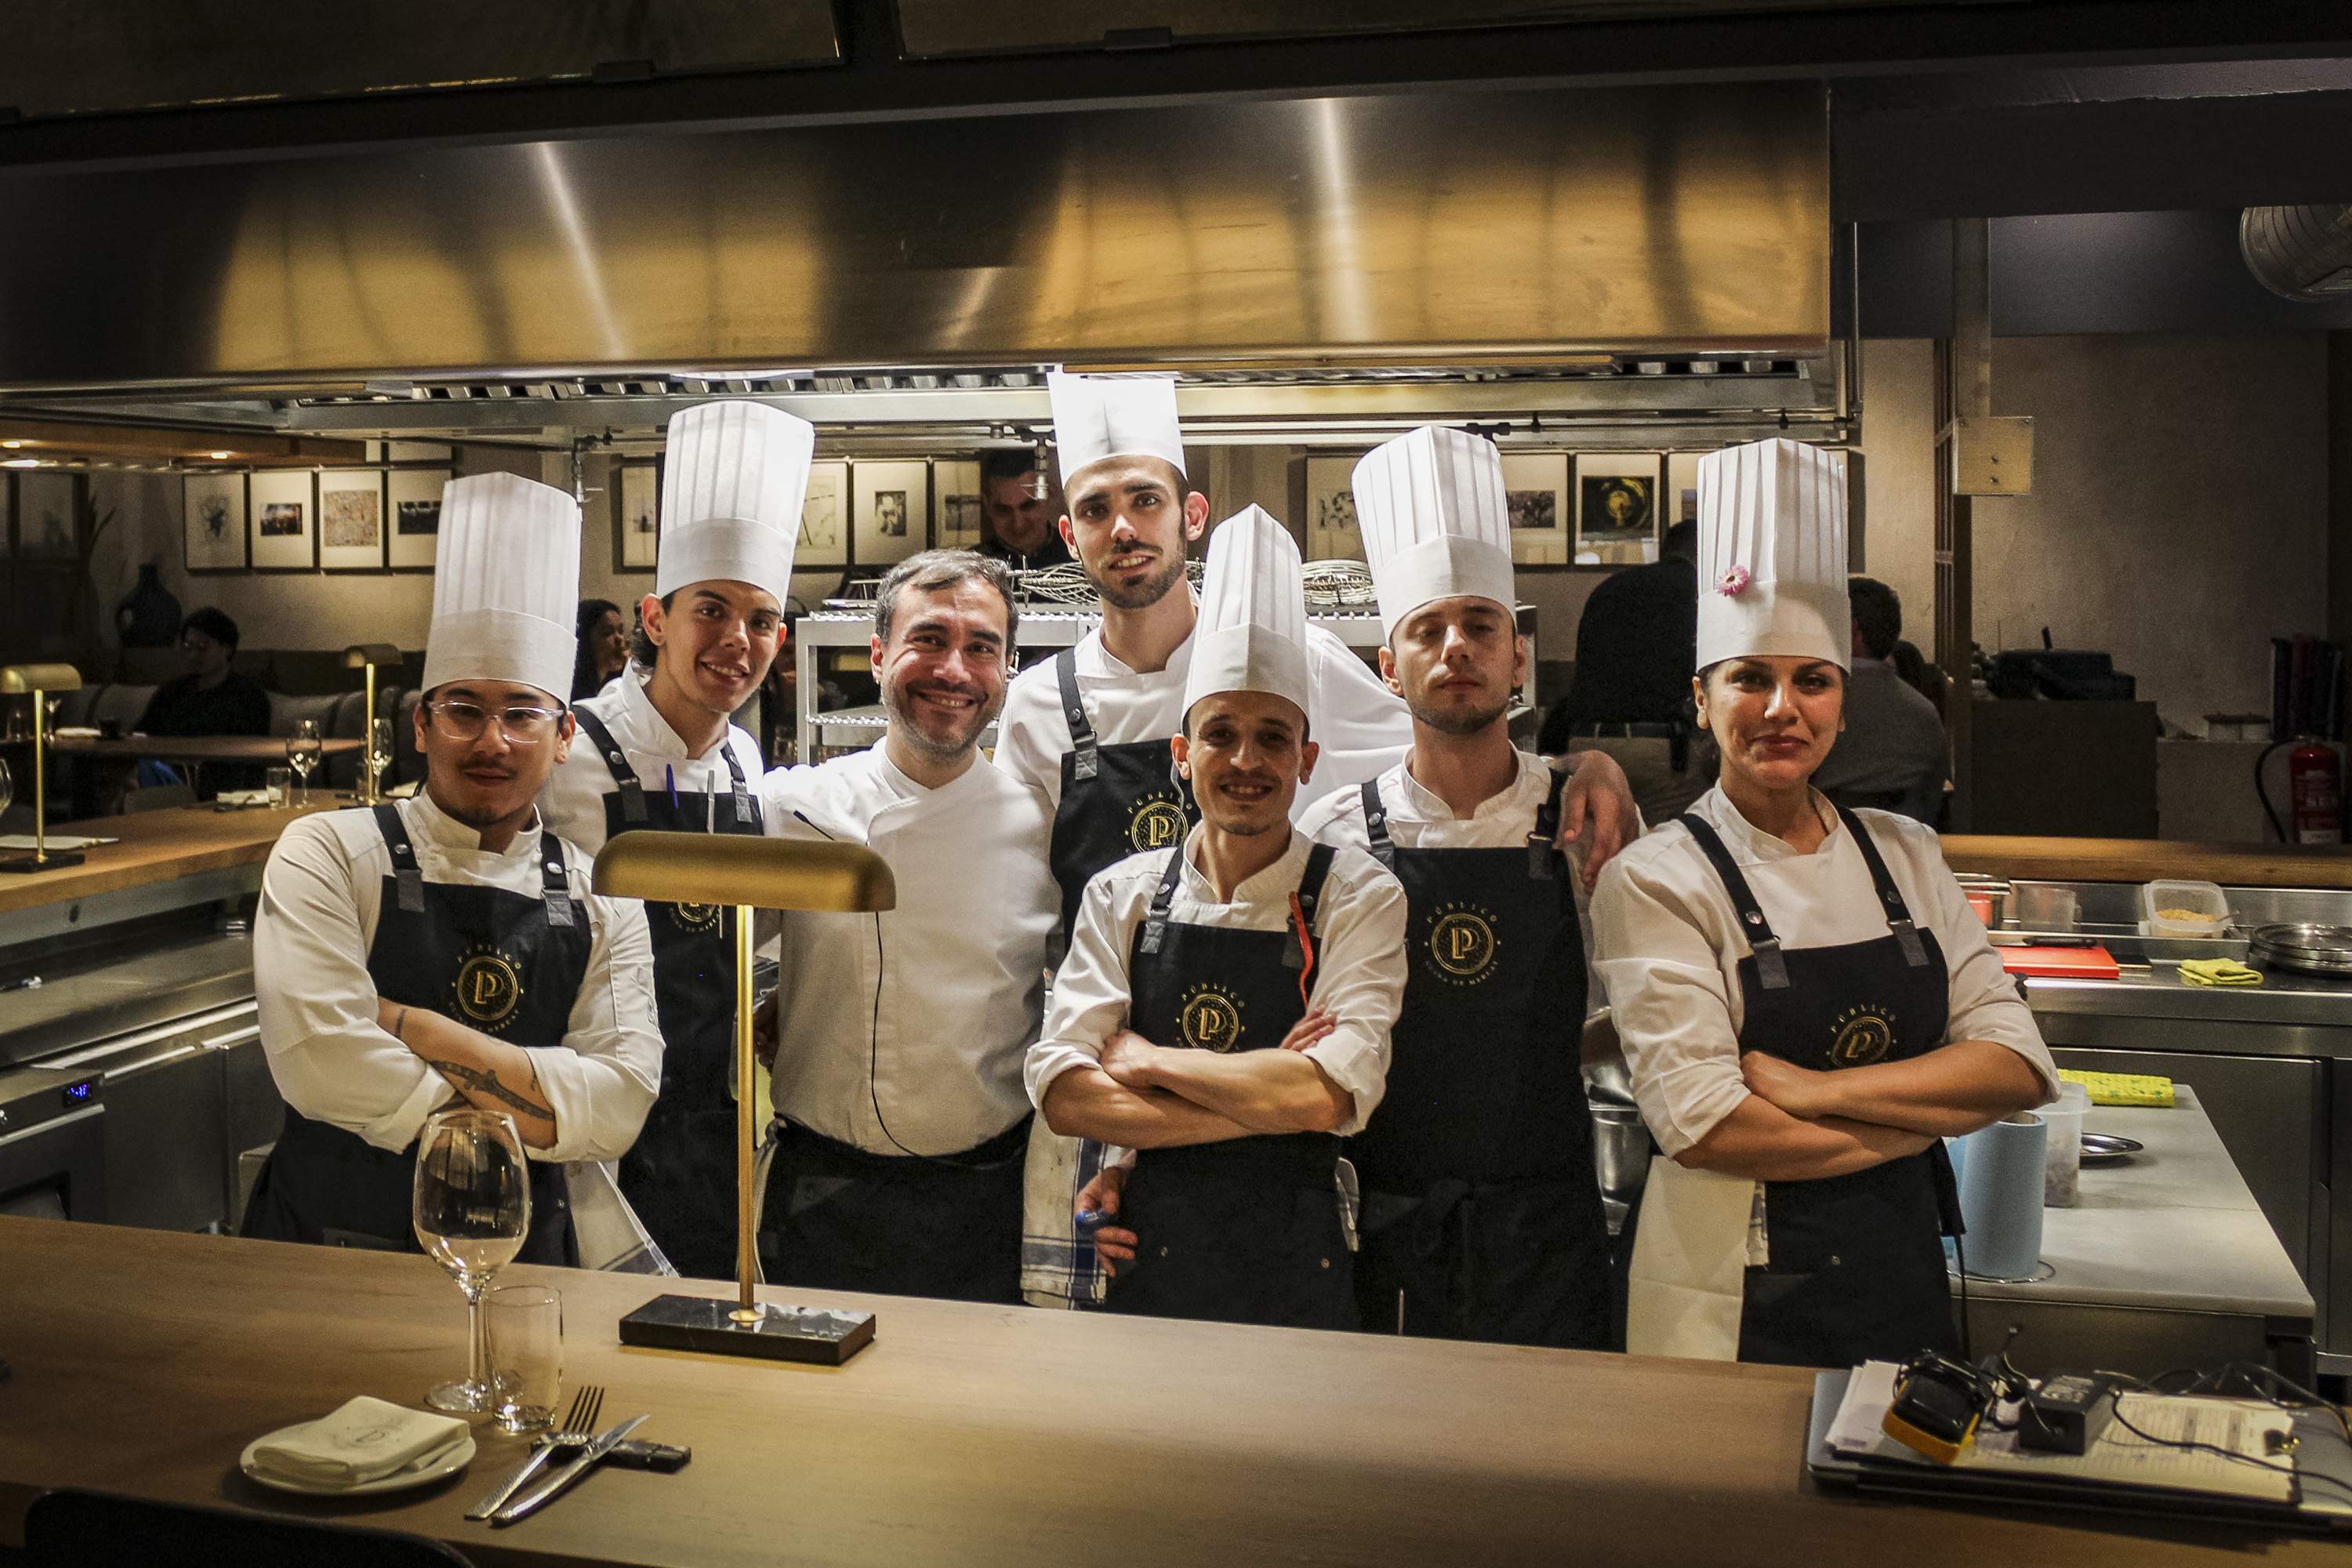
[[1807, 1003]]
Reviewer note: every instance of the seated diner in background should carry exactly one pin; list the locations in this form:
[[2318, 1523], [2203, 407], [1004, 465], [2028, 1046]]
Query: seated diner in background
[[211, 699]]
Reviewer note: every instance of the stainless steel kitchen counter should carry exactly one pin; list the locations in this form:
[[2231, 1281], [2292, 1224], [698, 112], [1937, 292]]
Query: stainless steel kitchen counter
[[2284, 997]]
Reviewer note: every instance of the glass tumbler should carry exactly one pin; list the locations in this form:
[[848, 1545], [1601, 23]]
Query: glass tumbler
[[526, 1332]]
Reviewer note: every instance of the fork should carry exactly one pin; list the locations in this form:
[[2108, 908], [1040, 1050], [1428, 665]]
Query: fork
[[578, 1430]]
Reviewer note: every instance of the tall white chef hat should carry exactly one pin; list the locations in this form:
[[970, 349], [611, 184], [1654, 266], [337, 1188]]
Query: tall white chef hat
[[1252, 635], [1771, 554], [1098, 416], [1435, 525], [506, 584], [732, 487]]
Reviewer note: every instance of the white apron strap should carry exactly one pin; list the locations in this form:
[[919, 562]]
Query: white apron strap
[[1690, 1259]]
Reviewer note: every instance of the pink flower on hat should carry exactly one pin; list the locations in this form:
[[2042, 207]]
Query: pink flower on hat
[[1734, 583]]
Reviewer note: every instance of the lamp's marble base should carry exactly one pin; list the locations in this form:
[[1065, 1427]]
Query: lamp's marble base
[[54, 859], [783, 1333]]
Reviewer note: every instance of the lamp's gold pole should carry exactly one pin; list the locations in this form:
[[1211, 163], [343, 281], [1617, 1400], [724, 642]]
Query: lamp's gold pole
[[367, 740], [40, 783], [38, 680], [746, 1121]]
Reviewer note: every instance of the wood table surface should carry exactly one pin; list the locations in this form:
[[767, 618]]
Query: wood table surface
[[146, 1361], [153, 846], [2148, 859], [189, 748]]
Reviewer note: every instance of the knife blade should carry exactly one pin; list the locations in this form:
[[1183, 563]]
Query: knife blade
[[557, 1481], [496, 1497]]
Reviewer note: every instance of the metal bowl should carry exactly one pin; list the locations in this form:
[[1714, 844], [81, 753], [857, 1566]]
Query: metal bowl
[[2303, 945]]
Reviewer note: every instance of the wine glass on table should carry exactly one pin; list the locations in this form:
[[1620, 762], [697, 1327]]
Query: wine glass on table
[[7, 787], [379, 755], [472, 1212], [303, 750]]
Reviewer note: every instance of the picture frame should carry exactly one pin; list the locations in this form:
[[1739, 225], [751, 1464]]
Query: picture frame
[[893, 511], [47, 501], [1535, 489], [351, 520], [824, 516], [284, 508], [957, 509], [1332, 532], [412, 515], [211, 521], [637, 516], [1616, 507]]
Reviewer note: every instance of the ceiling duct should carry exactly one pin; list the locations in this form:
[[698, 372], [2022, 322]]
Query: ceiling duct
[[1536, 228], [2304, 254]]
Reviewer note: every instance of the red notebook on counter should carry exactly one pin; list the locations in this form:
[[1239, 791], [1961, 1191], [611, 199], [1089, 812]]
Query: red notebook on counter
[[2060, 963]]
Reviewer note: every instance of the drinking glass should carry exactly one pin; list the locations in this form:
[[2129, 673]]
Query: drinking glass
[[302, 754], [278, 787], [7, 787], [472, 1211], [379, 754], [526, 1357]]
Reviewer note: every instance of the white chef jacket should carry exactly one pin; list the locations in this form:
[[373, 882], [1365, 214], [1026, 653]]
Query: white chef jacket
[[1360, 964], [1669, 948], [1418, 819], [903, 1033], [574, 798], [321, 894], [1359, 724]]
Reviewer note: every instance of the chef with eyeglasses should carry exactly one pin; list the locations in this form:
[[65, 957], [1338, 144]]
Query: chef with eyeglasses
[[1808, 1006], [1482, 1215], [1193, 967], [446, 949], [658, 751]]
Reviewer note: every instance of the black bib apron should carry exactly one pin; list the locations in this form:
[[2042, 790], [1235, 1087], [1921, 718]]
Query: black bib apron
[[1247, 1230], [505, 963], [680, 1175], [838, 1217], [1482, 1215], [1857, 1261]]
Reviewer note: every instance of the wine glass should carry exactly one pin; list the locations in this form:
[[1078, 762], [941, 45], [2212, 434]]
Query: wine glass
[[302, 754], [7, 787], [379, 755], [472, 1211]]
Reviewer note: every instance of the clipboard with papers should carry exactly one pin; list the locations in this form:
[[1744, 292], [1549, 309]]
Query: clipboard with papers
[[2306, 1485]]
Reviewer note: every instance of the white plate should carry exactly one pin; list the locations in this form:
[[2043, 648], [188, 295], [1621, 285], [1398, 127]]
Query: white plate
[[447, 1462]]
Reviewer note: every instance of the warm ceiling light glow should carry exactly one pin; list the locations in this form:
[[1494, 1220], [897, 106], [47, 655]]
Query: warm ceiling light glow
[[21, 463], [12, 446], [220, 457]]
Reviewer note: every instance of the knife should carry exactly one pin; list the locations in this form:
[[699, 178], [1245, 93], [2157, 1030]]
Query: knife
[[557, 1481]]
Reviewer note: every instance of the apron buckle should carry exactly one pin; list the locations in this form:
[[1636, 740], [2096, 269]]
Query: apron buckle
[[1770, 967], [1543, 857]]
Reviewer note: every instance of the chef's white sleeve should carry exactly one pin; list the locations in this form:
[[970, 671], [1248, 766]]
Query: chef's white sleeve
[[1671, 1006], [1032, 735], [602, 1080], [1360, 975], [1090, 994], [1984, 1000], [317, 1003]]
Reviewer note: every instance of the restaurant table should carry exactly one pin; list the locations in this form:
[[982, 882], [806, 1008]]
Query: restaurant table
[[156, 846], [194, 750], [145, 1361]]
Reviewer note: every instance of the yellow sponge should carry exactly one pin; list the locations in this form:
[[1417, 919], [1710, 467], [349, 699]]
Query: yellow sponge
[[2145, 1090]]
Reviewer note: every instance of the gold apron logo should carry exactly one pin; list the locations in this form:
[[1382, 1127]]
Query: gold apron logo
[[489, 987], [1462, 943], [1866, 1035], [695, 918], [1209, 1019], [1156, 823]]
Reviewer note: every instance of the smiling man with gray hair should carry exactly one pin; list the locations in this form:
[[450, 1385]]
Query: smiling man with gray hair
[[901, 1119]]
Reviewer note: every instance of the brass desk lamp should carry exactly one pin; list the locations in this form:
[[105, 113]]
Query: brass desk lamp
[[39, 679], [749, 874], [366, 655]]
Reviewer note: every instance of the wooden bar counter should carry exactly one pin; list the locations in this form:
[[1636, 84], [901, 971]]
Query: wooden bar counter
[[2148, 859], [154, 847], [144, 1362]]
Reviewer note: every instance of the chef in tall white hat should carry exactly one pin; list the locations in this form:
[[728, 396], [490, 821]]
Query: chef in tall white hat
[[1807, 1003], [1191, 967], [446, 949], [1481, 1219], [659, 750]]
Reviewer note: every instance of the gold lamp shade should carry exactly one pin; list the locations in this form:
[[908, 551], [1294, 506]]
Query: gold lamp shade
[[761, 873], [369, 653], [16, 678]]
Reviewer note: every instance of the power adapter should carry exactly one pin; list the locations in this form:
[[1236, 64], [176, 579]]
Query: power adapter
[[2067, 1412]]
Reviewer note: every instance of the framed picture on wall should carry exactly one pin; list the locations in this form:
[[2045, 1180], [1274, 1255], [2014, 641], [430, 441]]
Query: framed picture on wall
[[955, 491], [893, 511], [1616, 507], [637, 517], [1535, 489], [351, 520], [824, 518], [46, 502], [211, 521], [413, 510], [1332, 533], [283, 507]]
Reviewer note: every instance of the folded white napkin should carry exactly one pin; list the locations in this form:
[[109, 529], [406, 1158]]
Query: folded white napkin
[[243, 798], [76, 731], [365, 1440]]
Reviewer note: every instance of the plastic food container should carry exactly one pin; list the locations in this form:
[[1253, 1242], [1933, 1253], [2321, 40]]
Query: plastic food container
[[2183, 908], [2062, 1167]]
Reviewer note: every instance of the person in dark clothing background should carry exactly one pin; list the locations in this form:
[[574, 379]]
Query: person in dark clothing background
[[1891, 752], [1022, 517], [604, 648], [1631, 693], [210, 700]]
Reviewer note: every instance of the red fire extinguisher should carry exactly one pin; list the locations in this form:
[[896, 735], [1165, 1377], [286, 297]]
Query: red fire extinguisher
[[2316, 793]]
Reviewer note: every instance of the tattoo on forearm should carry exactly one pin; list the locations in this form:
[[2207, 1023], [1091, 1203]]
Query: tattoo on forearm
[[467, 1077], [399, 1022]]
